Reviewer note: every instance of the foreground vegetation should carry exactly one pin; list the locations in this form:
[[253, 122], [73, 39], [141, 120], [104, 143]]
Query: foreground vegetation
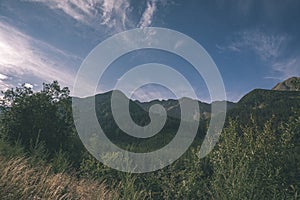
[[41, 157], [21, 179]]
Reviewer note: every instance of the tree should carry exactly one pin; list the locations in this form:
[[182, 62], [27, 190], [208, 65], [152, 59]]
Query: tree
[[45, 116]]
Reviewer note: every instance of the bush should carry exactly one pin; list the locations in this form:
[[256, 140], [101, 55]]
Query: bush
[[252, 164]]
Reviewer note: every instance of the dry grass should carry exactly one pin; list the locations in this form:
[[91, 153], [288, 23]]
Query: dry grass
[[18, 180]]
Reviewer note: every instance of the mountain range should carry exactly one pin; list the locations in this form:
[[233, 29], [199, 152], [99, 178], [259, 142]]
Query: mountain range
[[280, 103], [284, 94]]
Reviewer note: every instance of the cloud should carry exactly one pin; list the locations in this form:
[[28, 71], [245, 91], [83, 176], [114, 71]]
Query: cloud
[[264, 45], [287, 67], [147, 16], [28, 85], [3, 77], [82, 11], [270, 48], [115, 14], [111, 13], [232, 47], [22, 56]]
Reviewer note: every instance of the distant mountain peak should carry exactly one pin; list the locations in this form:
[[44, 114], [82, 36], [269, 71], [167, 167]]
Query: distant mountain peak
[[291, 84]]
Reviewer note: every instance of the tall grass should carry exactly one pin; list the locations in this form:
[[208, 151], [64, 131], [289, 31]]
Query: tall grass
[[19, 180]]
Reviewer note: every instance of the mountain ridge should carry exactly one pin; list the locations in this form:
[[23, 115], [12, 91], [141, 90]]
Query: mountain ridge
[[253, 102]]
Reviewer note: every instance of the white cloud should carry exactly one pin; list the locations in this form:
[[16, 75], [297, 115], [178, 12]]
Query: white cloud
[[81, 10], [107, 8], [231, 47], [28, 85], [115, 14], [112, 13], [271, 50], [264, 45], [147, 16], [3, 77], [22, 55], [287, 67]]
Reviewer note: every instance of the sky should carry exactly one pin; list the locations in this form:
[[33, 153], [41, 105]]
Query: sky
[[255, 44]]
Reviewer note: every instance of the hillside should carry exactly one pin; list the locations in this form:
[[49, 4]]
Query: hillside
[[265, 104], [280, 104]]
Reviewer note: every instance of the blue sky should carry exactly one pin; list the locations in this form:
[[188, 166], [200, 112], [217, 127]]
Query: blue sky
[[255, 44]]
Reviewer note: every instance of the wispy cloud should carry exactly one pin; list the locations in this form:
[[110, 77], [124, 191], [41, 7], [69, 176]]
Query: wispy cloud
[[264, 45], [111, 13], [147, 16], [115, 14], [22, 56], [270, 48], [230, 47], [287, 67], [82, 11]]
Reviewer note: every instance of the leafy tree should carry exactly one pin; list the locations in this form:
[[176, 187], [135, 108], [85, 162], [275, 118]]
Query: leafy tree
[[45, 116]]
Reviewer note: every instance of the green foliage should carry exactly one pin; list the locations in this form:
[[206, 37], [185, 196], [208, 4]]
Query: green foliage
[[248, 163], [90, 167], [253, 164], [263, 105], [257, 157], [31, 115], [60, 162], [184, 179], [40, 117], [38, 152], [11, 150]]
